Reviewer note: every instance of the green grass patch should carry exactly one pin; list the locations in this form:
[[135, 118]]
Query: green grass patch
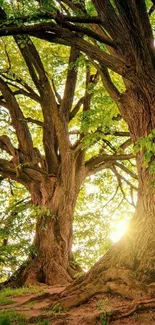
[[5, 301], [11, 292], [9, 317]]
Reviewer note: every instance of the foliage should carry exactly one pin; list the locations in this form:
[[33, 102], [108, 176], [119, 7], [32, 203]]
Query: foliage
[[103, 318], [97, 217], [147, 145], [10, 317], [94, 221], [17, 222], [15, 292], [58, 309], [94, 129]]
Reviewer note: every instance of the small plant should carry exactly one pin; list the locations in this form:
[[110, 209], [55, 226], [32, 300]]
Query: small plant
[[100, 305], [102, 302], [58, 309], [104, 317], [44, 322]]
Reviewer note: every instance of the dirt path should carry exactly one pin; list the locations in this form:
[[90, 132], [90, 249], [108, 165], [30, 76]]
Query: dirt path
[[97, 311]]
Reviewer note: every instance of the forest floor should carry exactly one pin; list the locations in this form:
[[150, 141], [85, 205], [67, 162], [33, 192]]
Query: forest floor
[[34, 307]]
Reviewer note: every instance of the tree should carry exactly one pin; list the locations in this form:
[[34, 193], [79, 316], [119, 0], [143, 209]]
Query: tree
[[53, 173], [119, 37]]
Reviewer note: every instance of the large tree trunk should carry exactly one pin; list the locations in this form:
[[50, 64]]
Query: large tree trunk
[[128, 268], [53, 263]]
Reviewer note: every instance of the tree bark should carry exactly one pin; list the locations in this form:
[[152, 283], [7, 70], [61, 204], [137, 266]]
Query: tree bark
[[52, 261], [128, 268]]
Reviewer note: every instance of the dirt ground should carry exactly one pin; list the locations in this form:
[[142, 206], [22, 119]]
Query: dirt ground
[[99, 310]]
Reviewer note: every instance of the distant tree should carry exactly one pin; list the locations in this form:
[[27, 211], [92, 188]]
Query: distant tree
[[55, 133]]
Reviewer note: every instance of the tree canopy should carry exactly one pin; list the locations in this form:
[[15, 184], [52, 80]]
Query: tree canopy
[[55, 99], [90, 106]]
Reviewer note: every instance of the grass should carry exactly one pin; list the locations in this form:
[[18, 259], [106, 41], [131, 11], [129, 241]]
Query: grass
[[6, 293], [9, 317], [10, 292], [5, 301]]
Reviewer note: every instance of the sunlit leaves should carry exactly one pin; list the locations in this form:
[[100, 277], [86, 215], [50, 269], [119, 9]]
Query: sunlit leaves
[[98, 213]]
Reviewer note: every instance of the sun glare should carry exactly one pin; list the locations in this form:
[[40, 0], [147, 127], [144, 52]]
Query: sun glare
[[119, 230]]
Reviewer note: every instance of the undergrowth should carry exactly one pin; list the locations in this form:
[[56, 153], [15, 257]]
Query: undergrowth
[[9, 317], [11, 292]]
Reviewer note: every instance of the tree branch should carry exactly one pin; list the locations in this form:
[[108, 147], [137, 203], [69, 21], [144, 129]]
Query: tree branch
[[99, 162], [53, 120], [5, 144], [108, 84], [70, 84], [21, 91], [126, 170], [88, 32], [120, 178], [34, 121], [125, 144], [76, 108], [22, 131], [7, 169], [15, 81], [110, 19], [54, 33]]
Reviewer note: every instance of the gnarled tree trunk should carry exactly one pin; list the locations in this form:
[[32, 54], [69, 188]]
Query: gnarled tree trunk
[[128, 268], [53, 262]]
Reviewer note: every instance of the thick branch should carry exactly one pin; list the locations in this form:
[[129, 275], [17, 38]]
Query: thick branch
[[83, 20], [5, 144], [52, 118], [108, 84], [146, 26], [32, 60], [67, 100], [110, 20], [131, 22], [22, 131], [55, 33], [96, 163], [7, 169], [76, 108], [88, 32]]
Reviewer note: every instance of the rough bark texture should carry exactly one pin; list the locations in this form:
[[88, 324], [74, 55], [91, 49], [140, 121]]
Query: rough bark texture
[[128, 268], [53, 179], [125, 29]]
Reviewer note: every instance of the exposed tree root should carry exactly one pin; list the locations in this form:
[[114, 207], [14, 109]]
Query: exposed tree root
[[120, 312], [129, 309], [116, 281], [31, 273]]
